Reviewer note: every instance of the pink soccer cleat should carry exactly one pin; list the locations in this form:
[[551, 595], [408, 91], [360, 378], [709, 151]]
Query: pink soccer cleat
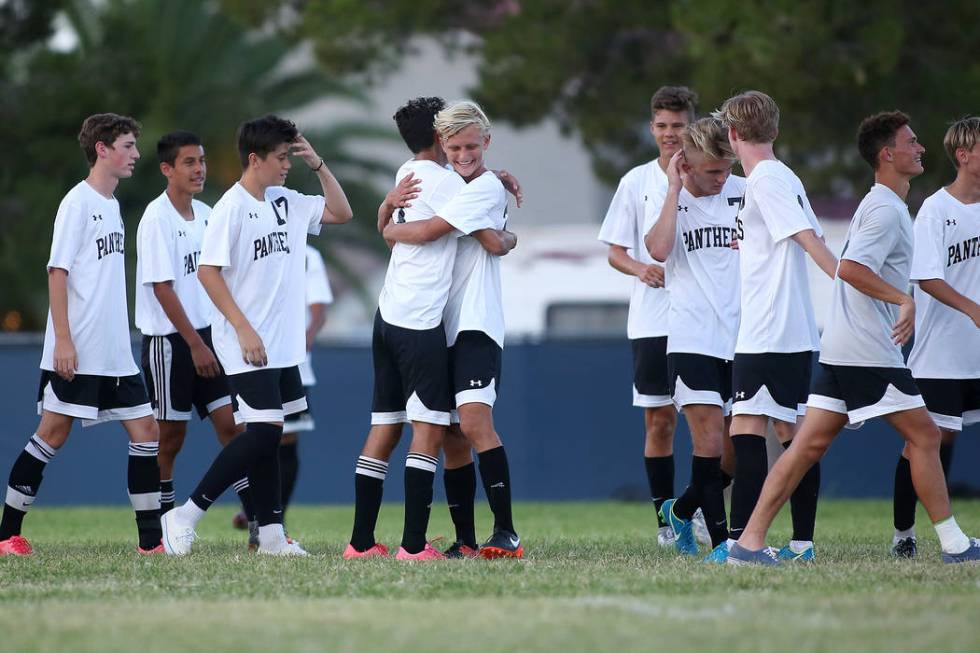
[[157, 550], [15, 545], [377, 551], [428, 553]]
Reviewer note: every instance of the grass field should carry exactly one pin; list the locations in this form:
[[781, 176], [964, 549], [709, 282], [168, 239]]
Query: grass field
[[593, 580]]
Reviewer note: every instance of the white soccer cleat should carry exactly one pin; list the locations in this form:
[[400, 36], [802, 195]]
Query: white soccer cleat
[[178, 537], [666, 537], [700, 528], [287, 548]]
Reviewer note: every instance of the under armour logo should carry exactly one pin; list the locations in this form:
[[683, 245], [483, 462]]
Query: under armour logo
[[97, 217], [181, 234], [476, 383], [682, 208], [950, 222], [253, 216], [740, 395]]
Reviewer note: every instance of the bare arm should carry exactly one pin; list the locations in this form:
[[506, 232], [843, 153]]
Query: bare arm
[[205, 363], [417, 232], [253, 350], [862, 278], [318, 317], [948, 295], [337, 209], [660, 240], [65, 357], [399, 197], [496, 241], [818, 251]]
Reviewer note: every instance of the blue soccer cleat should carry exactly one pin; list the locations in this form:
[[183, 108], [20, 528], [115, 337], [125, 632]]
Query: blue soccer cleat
[[972, 554], [718, 555], [739, 556], [789, 555], [684, 540]]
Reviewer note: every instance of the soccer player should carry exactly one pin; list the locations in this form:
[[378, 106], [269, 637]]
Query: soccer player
[[777, 334], [87, 366], [694, 235], [862, 374], [252, 266], [632, 213], [474, 325], [174, 313], [945, 358]]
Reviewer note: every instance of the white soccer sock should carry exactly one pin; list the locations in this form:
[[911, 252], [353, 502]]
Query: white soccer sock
[[272, 537], [189, 512], [799, 546], [951, 538], [903, 535]]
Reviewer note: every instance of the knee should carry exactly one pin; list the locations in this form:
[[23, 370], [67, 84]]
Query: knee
[[478, 429], [810, 452], [660, 423], [928, 437]]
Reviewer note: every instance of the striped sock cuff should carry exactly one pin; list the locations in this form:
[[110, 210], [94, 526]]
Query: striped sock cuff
[[168, 497], [144, 449], [17, 499], [40, 449], [240, 484], [372, 467], [421, 461]]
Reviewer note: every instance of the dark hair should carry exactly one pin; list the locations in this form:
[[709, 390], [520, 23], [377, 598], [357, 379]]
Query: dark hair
[[415, 121], [675, 98], [262, 135], [878, 131], [170, 144], [104, 128]]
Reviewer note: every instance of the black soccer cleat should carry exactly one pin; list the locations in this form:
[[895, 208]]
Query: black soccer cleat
[[502, 544], [460, 549], [904, 548]]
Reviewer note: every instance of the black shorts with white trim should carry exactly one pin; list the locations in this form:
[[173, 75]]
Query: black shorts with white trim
[[953, 403], [411, 374], [174, 385], [475, 364], [93, 399], [651, 382], [862, 393], [267, 394], [303, 420], [700, 379], [775, 385]]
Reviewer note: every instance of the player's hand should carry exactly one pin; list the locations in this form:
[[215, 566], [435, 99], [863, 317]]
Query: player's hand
[[253, 351], [65, 358], [653, 276], [302, 148], [905, 325], [675, 171], [205, 363], [401, 196], [734, 244], [511, 185]]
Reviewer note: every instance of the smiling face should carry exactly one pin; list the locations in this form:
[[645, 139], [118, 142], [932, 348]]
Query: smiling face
[[666, 128], [906, 154], [273, 168], [465, 150], [189, 170], [119, 158]]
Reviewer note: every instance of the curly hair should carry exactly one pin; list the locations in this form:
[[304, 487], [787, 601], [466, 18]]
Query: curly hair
[[104, 128], [415, 122], [878, 131]]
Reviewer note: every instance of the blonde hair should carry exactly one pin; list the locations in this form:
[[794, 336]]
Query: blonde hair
[[963, 133], [458, 116], [708, 136], [753, 114]]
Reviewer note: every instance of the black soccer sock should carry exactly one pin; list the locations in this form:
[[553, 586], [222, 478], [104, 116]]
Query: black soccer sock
[[660, 477], [369, 481], [946, 458], [903, 502], [22, 486], [167, 495], [495, 473], [751, 467], [420, 471], [460, 486], [263, 475], [144, 491], [245, 497], [288, 471], [803, 502], [230, 465], [713, 501], [693, 496]]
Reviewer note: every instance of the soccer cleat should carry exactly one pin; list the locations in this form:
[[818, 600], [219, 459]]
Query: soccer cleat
[[972, 554], [294, 545], [739, 556], [665, 536], [684, 537], [718, 555], [178, 537], [253, 536], [700, 529], [240, 521], [502, 544], [427, 553], [904, 548], [15, 545], [461, 550], [157, 550], [789, 555], [377, 551]]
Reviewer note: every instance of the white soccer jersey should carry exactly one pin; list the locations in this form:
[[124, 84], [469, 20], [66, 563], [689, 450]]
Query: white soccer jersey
[[418, 278], [776, 311], [859, 328], [317, 292], [633, 211], [261, 250], [88, 242], [475, 299], [947, 247], [702, 274], [167, 249]]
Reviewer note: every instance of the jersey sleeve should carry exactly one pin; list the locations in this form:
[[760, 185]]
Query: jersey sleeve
[[875, 238], [221, 236], [66, 241], [445, 190], [155, 251], [781, 208], [619, 225], [317, 282], [929, 252], [471, 208]]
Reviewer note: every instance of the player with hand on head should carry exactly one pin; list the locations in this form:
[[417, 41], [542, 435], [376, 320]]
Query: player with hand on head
[[87, 366], [862, 373], [252, 266], [945, 358]]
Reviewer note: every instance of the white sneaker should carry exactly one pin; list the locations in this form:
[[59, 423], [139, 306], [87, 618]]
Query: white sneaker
[[178, 537], [666, 537], [284, 548], [700, 528]]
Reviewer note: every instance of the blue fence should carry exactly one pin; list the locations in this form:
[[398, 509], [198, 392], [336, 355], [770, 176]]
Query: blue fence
[[564, 413]]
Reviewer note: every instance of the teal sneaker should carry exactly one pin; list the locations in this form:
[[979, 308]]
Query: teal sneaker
[[684, 540], [718, 555], [789, 555]]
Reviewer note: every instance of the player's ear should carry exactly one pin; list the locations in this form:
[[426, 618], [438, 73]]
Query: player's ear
[[486, 141]]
